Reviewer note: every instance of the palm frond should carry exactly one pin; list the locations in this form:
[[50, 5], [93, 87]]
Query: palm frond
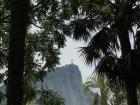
[[107, 66], [103, 43], [92, 83], [90, 54], [80, 30], [96, 100]]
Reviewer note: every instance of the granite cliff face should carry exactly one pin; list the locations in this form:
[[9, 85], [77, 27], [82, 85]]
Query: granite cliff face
[[67, 81]]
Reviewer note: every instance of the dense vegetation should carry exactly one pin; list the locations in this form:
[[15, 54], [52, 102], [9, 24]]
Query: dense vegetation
[[116, 22], [29, 54]]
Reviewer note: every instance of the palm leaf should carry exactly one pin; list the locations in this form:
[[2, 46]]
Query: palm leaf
[[107, 66], [96, 100], [80, 30], [103, 43]]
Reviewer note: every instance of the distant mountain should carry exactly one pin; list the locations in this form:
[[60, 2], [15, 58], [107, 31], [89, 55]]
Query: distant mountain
[[67, 82]]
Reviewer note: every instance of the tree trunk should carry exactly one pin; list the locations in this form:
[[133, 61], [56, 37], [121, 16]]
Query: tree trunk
[[125, 49], [130, 89], [131, 95], [18, 25], [124, 42]]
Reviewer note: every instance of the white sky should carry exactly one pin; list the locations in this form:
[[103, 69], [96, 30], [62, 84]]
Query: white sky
[[70, 52]]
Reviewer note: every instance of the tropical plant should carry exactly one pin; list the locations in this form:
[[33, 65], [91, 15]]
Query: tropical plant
[[45, 42], [115, 22], [107, 94], [47, 96], [99, 83]]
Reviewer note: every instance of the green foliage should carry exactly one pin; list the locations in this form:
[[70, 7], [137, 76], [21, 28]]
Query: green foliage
[[49, 97], [109, 94], [96, 100], [100, 83], [43, 44], [110, 23]]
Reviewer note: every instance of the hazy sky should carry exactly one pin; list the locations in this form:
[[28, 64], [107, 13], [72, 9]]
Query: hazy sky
[[70, 53]]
